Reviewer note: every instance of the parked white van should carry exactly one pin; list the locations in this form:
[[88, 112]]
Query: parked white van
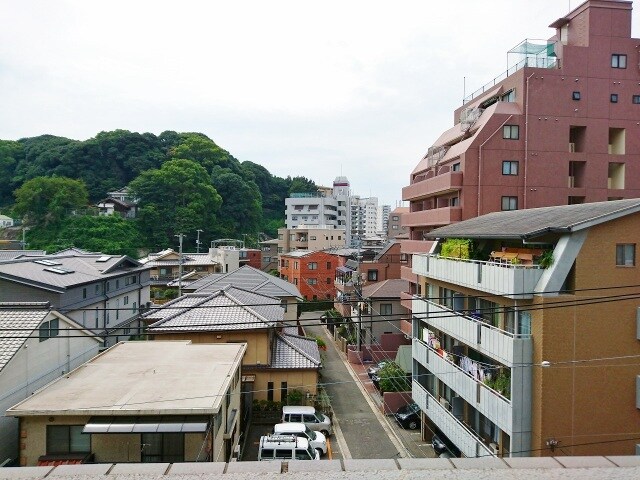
[[316, 421], [286, 447], [316, 439]]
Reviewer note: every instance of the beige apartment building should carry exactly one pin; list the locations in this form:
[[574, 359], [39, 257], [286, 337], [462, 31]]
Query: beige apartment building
[[309, 238], [530, 344]]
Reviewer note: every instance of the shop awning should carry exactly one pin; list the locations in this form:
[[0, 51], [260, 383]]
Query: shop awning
[[147, 424]]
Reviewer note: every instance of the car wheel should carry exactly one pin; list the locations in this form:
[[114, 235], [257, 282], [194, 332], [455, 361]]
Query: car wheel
[[325, 433], [319, 452], [413, 424]]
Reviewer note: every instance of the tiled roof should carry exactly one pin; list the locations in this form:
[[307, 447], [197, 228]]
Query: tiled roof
[[26, 319], [247, 278], [385, 289], [188, 259], [385, 249], [227, 309], [293, 351], [13, 254], [538, 221]]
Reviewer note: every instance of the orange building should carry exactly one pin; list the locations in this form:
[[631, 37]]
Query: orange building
[[312, 272]]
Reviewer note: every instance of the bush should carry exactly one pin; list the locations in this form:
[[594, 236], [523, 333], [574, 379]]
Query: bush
[[294, 397], [393, 378], [457, 248]]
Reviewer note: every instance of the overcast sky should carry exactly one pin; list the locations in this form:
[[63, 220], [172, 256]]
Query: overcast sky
[[358, 88]]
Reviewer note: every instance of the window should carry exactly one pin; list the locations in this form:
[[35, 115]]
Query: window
[[295, 281], [510, 96], [328, 265], [134, 306], [509, 203], [575, 96], [126, 300], [395, 218], [108, 285], [454, 201], [283, 391], [312, 281], [312, 266], [97, 289], [613, 98], [312, 237], [618, 60], [636, 99], [117, 309], [511, 132], [295, 265], [455, 167], [84, 293], [328, 280], [270, 391], [394, 227], [162, 447], [67, 439], [49, 329], [372, 275], [509, 167], [385, 309], [117, 284], [626, 255]]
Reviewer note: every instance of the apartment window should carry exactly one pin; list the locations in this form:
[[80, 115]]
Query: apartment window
[[295, 265], [385, 309], [328, 265], [395, 218], [117, 284], [270, 391], [636, 99], [49, 329], [67, 439], [280, 236], [280, 249], [372, 275], [613, 98], [312, 281], [511, 132], [295, 217], [162, 447], [509, 167], [283, 391], [454, 201], [394, 227], [126, 300], [454, 168], [510, 96], [509, 203], [328, 280], [267, 259], [295, 281], [133, 307], [626, 255], [286, 263], [618, 60], [84, 293], [575, 96], [312, 266], [118, 309]]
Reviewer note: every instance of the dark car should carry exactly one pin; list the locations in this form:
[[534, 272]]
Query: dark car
[[374, 369], [443, 446], [408, 416]]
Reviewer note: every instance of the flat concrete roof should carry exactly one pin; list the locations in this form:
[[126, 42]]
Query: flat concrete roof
[[142, 378]]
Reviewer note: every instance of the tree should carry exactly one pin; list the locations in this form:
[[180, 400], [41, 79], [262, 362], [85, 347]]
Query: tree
[[301, 185], [204, 151], [10, 154], [393, 378], [241, 210], [45, 201], [176, 198]]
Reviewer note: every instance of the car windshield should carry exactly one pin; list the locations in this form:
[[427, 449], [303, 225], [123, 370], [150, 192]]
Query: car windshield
[[310, 433], [311, 451]]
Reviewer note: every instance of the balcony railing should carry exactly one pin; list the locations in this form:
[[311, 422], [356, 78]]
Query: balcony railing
[[487, 401], [465, 439], [513, 281], [432, 217], [446, 182], [505, 347]]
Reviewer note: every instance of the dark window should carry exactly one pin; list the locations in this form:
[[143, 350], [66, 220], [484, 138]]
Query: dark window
[[67, 439], [307, 418], [454, 168], [328, 265], [328, 280], [270, 391], [162, 447], [283, 391], [84, 293], [313, 266], [509, 203], [618, 60], [575, 95], [511, 132], [636, 99], [614, 98], [626, 255], [97, 289], [372, 275], [49, 329], [509, 167]]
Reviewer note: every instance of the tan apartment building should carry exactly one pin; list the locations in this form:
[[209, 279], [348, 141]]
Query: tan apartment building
[[526, 339], [117, 407], [305, 237]]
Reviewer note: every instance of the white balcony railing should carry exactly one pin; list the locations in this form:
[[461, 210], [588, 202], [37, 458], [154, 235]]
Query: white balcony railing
[[487, 401], [504, 347], [514, 281], [468, 443]]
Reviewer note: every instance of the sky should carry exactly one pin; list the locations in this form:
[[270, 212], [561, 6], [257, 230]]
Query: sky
[[318, 89]]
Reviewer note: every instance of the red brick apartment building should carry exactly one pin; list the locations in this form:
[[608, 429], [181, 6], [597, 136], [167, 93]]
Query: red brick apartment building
[[561, 126], [251, 257], [312, 272]]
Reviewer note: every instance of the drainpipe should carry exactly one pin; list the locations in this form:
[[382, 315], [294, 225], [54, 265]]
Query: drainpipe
[[526, 139], [480, 157]]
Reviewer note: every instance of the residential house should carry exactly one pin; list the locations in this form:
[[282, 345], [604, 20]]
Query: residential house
[[533, 349], [269, 255], [383, 314], [13, 254], [165, 265], [119, 202], [117, 407], [312, 273], [37, 345], [103, 293], [558, 127], [276, 360], [5, 221]]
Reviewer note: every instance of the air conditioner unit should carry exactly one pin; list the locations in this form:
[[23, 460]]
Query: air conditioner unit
[[572, 147], [445, 404], [494, 448]]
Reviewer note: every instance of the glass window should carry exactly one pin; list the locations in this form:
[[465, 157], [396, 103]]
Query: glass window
[[49, 329], [618, 60], [511, 132], [509, 167], [614, 98], [509, 203], [372, 275], [455, 167], [162, 447], [636, 99], [67, 439], [312, 281], [385, 309], [313, 266], [626, 255], [84, 293], [575, 95]]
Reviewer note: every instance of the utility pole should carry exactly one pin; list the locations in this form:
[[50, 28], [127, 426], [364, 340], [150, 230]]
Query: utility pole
[[198, 241], [180, 236], [357, 287]]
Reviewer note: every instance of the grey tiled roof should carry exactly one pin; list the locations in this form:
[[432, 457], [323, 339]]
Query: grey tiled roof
[[248, 278], [293, 351], [13, 254], [17, 318], [227, 309], [538, 221]]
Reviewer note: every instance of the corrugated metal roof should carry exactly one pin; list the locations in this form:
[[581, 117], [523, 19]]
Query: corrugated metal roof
[[534, 222], [247, 278]]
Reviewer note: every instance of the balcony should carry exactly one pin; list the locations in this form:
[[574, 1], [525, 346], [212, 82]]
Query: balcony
[[487, 401], [432, 217], [467, 441], [505, 347], [513, 281], [447, 182]]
